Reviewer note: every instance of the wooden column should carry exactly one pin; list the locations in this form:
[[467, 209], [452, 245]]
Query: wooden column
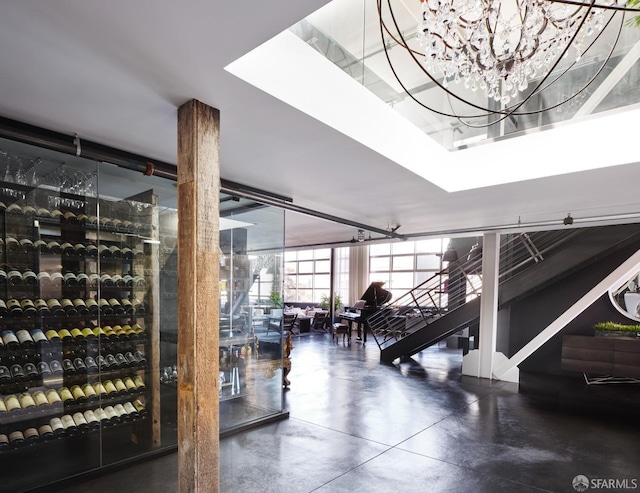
[[198, 297]]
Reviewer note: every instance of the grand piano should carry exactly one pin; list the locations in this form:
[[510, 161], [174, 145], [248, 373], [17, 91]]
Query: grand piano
[[370, 302]]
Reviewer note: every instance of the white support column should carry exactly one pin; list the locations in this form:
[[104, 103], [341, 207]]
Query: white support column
[[480, 362]]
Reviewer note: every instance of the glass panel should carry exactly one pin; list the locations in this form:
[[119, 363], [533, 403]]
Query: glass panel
[[402, 280], [305, 267], [305, 255], [379, 249], [251, 325], [290, 267], [323, 266], [290, 256], [431, 262], [379, 277], [305, 295], [431, 246], [322, 281], [379, 263], [403, 263], [322, 253], [403, 247]]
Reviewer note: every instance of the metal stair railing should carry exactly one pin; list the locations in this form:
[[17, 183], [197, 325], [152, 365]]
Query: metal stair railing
[[434, 298]]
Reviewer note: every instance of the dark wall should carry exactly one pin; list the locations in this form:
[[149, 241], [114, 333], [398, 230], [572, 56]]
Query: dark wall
[[533, 314]]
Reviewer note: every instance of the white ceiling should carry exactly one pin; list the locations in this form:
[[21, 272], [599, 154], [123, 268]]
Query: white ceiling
[[115, 72]]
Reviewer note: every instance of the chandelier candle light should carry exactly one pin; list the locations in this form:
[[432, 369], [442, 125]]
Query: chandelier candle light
[[498, 46], [509, 50]]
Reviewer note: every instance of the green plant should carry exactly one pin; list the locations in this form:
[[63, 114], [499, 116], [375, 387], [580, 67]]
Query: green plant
[[276, 299], [633, 21], [614, 326], [325, 302]]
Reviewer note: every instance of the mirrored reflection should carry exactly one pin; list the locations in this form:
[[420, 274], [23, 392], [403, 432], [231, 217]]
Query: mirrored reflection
[[626, 297]]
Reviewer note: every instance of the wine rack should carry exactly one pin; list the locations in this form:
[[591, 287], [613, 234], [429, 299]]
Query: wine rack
[[76, 309]]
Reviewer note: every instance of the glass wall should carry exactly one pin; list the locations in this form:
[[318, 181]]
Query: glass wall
[[88, 315]]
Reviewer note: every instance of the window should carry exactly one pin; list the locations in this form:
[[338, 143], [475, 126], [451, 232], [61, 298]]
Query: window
[[404, 265], [307, 275]]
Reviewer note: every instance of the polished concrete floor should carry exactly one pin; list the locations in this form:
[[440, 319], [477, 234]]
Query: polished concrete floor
[[360, 426]]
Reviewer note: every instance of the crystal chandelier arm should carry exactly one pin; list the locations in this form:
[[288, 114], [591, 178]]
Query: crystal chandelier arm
[[619, 8]]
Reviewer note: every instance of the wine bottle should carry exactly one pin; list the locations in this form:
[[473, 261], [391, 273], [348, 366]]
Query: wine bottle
[[42, 309], [121, 412], [5, 376], [110, 412], [65, 394], [28, 308], [137, 379], [17, 374], [93, 220], [44, 279], [139, 282], [93, 306], [31, 435], [100, 390], [12, 245], [29, 210], [83, 279], [81, 367], [69, 424], [44, 370], [12, 403], [67, 249], [102, 362], [70, 217], [105, 307], [121, 360], [81, 307], [128, 225], [53, 337], [78, 394], [41, 246], [110, 388], [102, 416], [53, 397], [91, 419], [128, 306], [92, 250], [70, 279], [55, 308], [65, 336], [29, 278], [27, 245], [16, 438], [80, 249], [69, 309], [115, 252], [106, 223], [82, 219], [112, 364], [57, 427], [116, 306], [14, 278], [68, 368], [56, 368], [117, 281], [106, 281], [89, 392], [120, 386], [30, 373], [127, 253], [54, 247], [26, 402], [131, 360], [4, 280], [40, 398], [131, 410], [130, 385], [3, 309], [46, 432], [104, 252], [3, 408], [57, 279], [10, 340], [4, 442], [56, 214], [128, 280], [43, 212]]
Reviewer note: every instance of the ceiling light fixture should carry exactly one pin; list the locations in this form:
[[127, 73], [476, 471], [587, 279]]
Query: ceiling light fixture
[[502, 48]]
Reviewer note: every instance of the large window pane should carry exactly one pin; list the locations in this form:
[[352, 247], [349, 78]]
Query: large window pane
[[379, 249], [402, 280], [430, 262], [403, 247], [322, 282], [323, 266], [403, 263], [379, 264], [305, 267]]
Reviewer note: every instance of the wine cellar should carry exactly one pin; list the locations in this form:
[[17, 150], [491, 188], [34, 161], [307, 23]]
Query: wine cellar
[[88, 317]]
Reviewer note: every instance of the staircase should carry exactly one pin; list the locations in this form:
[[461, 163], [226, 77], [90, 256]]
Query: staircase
[[528, 262]]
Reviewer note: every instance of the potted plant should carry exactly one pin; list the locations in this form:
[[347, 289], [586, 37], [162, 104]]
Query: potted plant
[[276, 300], [614, 329], [325, 302]]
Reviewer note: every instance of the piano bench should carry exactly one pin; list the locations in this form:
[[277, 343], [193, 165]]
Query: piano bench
[[339, 328]]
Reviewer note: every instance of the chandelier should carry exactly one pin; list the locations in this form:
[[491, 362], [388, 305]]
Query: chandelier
[[507, 49]]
